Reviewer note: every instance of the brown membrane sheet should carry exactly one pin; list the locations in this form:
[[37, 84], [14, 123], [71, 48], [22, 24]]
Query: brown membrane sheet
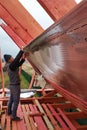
[[60, 53]]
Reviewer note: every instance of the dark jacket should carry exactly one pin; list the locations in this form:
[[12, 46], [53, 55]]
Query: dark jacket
[[13, 69]]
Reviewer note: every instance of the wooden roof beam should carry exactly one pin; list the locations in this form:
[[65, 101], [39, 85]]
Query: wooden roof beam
[[19, 19], [16, 27], [57, 8], [14, 36]]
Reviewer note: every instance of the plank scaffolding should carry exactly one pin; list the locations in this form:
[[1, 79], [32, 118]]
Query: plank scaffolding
[[46, 113]]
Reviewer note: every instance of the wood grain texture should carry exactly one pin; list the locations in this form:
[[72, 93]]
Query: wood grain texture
[[57, 8], [21, 18]]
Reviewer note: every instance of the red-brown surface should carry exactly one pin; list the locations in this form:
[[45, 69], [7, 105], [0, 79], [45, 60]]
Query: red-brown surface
[[46, 113], [57, 8], [23, 24], [60, 53], [18, 18], [14, 36]]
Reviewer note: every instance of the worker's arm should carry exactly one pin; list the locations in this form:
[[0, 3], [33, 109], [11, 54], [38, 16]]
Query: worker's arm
[[17, 61]]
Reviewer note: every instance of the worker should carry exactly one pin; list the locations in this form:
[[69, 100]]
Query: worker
[[13, 65]]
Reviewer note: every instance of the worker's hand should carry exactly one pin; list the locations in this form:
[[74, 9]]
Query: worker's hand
[[22, 48], [25, 55]]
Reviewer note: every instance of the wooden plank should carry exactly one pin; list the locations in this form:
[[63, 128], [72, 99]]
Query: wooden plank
[[34, 127], [28, 125], [43, 92], [28, 90], [76, 115], [14, 25], [8, 123], [3, 121], [49, 114], [38, 119], [32, 80], [64, 106], [55, 8], [78, 126], [1, 102], [14, 125], [52, 99], [47, 121], [14, 36], [21, 124], [50, 93], [23, 17], [72, 127], [41, 100], [2, 117], [84, 127], [58, 117]]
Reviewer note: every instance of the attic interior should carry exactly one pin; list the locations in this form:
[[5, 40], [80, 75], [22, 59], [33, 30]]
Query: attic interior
[[59, 55]]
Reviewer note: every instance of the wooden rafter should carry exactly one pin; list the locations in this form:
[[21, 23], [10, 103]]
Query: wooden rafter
[[21, 22], [14, 36], [57, 8]]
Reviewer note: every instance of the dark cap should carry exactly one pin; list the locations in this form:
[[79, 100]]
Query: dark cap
[[7, 57]]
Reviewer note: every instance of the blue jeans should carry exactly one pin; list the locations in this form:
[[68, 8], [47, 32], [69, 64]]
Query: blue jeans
[[14, 100]]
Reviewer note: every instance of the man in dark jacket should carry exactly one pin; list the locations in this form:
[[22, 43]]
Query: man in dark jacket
[[14, 78]]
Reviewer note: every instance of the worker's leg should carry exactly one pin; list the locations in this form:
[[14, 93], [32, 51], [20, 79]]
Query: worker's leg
[[10, 102], [16, 98]]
